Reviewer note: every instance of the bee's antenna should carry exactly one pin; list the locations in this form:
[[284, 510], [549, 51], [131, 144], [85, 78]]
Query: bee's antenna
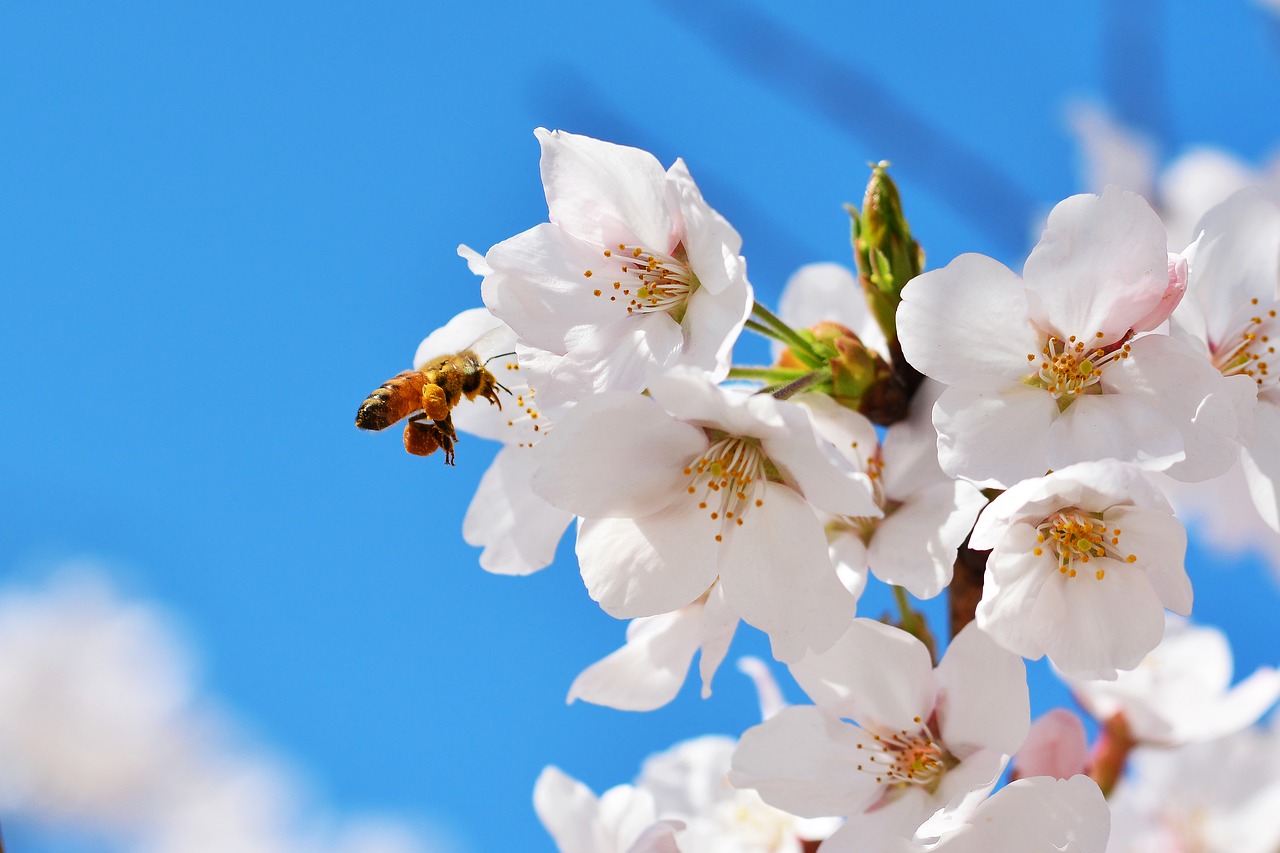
[[499, 355], [495, 382]]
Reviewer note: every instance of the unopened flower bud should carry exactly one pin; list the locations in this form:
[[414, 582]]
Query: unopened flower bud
[[888, 257], [860, 378]]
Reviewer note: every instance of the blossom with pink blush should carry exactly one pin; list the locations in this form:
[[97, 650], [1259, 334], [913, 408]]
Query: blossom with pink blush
[[1050, 369]]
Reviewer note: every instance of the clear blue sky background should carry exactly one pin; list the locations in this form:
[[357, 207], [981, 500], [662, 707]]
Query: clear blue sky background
[[222, 225]]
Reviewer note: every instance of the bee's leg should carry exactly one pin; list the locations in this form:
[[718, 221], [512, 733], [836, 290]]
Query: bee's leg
[[435, 403], [423, 437]]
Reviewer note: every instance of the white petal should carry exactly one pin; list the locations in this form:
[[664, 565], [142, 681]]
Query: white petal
[[915, 546], [970, 317], [910, 447], [875, 674], [475, 260], [821, 473], [719, 623], [1101, 265], [991, 430], [645, 566], [1261, 459], [619, 357], [648, 671], [768, 692], [710, 242], [777, 575], [982, 694], [849, 555], [605, 193], [1114, 426], [518, 530], [616, 454], [568, 810], [712, 324], [1159, 541], [962, 789], [1106, 625], [1037, 815], [803, 760], [461, 332], [1012, 610]]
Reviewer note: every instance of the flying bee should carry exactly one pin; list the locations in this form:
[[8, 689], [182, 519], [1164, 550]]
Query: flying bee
[[427, 397]]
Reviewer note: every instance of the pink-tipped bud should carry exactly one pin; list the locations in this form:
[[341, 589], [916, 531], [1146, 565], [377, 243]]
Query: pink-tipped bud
[[1172, 295], [1056, 746]]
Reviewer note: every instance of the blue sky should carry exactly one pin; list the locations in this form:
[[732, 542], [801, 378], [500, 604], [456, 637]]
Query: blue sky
[[220, 228]]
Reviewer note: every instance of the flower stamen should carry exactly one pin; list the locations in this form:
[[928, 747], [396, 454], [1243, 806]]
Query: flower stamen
[[649, 280]]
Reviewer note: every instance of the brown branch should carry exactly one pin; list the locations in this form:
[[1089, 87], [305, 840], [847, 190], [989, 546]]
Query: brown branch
[[966, 586]]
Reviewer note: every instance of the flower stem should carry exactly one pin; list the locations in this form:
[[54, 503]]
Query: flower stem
[[768, 375], [779, 330], [913, 621], [1110, 753], [795, 386]]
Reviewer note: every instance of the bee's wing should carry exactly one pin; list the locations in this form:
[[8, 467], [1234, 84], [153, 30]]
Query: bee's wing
[[499, 340], [464, 331]]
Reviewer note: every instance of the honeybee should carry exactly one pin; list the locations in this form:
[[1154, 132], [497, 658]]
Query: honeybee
[[431, 391]]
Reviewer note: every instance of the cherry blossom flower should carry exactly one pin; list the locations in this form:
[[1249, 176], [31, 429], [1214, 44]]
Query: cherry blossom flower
[[634, 271], [924, 745], [1230, 316], [518, 530], [1083, 563], [1051, 369], [621, 820], [1181, 692], [925, 514], [1218, 796], [1036, 815], [719, 484]]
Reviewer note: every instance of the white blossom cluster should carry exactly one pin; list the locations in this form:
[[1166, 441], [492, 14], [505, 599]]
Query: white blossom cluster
[[1053, 408]]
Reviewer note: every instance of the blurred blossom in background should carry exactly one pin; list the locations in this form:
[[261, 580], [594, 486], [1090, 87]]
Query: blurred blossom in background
[[221, 228]]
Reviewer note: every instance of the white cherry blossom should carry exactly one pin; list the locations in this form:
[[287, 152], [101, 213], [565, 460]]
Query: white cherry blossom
[[1181, 692], [517, 529], [621, 820], [633, 272], [697, 483], [1083, 563], [923, 747], [1052, 369], [1229, 314]]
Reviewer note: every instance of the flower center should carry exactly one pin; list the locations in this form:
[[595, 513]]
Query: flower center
[[1247, 348], [646, 281], [1069, 368], [728, 474], [906, 758], [1076, 537]]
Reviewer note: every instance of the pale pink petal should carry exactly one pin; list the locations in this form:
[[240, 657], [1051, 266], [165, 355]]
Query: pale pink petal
[[659, 838], [1101, 265], [620, 357], [982, 695], [1178, 273], [1159, 542], [719, 623], [539, 289], [475, 260], [993, 431], [518, 530], [1056, 746], [605, 193], [645, 566], [915, 546], [1036, 815], [1236, 260], [648, 671], [1114, 426], [777, 575], [804, 761], [1261, 458], [875, 674], [616, 454], [712, 323], [824, 476], [1106, 625], [710, 242], [970, 317], [962, 789]]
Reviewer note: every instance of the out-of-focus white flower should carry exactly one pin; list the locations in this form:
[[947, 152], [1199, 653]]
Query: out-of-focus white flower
[[1046, 371], [518, 530], [1230, 314], [102, 729], [1084, 562], [1218, 796], [698, 484], [633, 273], [690, 784], [924, 745], [925, 514], [1036, 815], [826, 292], [621, 820], [1181, 692], [1056, 746]]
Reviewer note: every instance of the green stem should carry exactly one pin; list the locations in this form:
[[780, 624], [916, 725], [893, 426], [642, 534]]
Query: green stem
[[761, 329], [913, 622], [770, 375], [802, 349], [795, 386]]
